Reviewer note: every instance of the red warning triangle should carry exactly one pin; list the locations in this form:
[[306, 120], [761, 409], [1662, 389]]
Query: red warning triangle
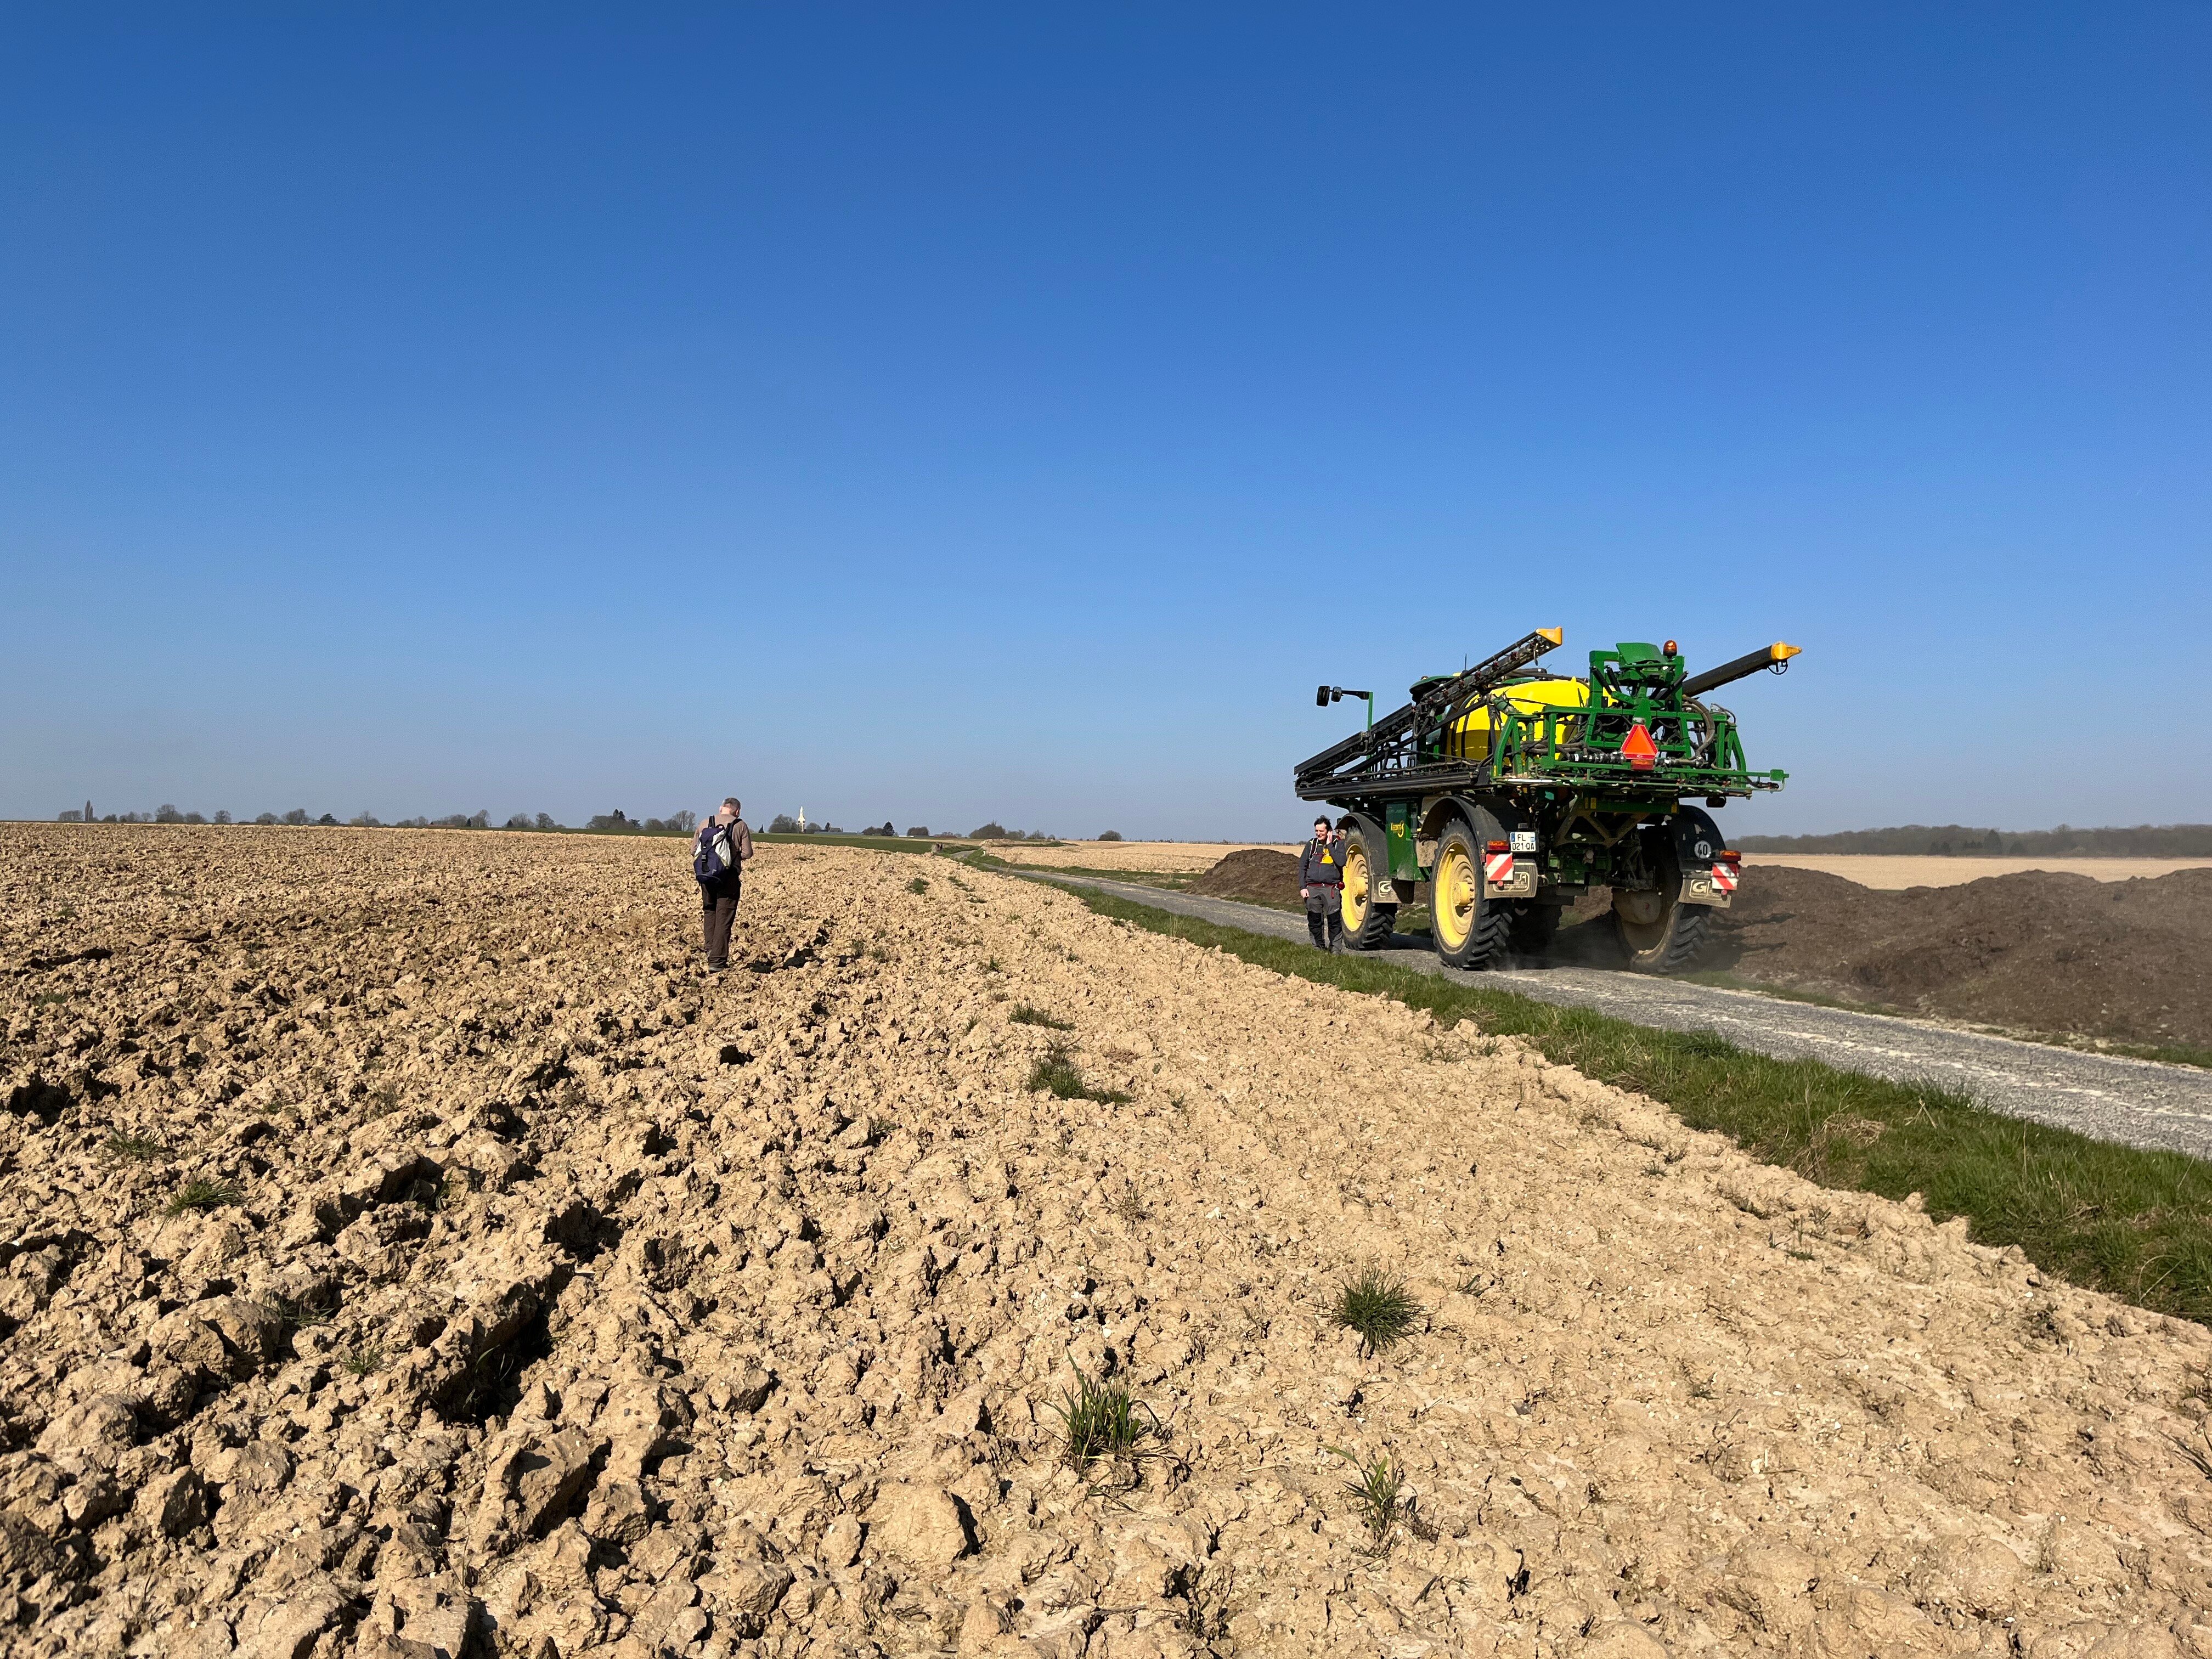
[[1638, 749]]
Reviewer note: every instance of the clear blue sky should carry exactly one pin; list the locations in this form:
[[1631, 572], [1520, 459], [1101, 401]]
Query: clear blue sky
[[953, 412]]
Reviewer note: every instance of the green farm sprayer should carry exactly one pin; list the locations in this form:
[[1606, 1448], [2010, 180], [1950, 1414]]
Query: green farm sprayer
[[1512, 791]]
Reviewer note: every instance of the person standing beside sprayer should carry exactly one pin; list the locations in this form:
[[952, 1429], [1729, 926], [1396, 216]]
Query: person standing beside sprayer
[[1320, 884], [719, 853]]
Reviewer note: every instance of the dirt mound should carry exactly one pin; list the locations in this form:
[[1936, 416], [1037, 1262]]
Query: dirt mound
[[2128, 960], [406, 1250], [1255, 875]]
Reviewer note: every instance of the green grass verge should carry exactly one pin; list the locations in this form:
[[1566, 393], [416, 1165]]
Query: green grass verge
[[1168, 881], [2135, 1224], [879, 843]]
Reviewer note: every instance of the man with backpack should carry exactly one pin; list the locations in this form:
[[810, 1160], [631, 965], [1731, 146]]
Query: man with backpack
[[719, 853]]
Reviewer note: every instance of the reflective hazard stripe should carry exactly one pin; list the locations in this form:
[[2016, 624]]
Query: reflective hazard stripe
[[1496, 867], [1724, 878]]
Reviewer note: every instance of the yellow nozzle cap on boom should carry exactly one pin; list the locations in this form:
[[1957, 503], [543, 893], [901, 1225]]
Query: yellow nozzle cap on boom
[[1558, 636], [1780, 652]]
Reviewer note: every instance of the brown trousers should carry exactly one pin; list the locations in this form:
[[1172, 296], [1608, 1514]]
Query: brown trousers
[[718, 908]]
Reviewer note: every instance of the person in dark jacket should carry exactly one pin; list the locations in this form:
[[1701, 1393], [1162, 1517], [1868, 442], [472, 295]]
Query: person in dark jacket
[[1320, 884], [719, 853]]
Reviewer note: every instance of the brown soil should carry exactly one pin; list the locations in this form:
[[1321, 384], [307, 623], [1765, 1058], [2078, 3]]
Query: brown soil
[[2128, 960], [568, 1296], [1257, 876]]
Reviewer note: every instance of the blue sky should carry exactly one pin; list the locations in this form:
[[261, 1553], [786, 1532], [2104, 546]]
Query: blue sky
[[948, 413]]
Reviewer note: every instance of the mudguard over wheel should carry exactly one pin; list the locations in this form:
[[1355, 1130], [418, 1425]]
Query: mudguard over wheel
[[1368, 919], [1470, 931]]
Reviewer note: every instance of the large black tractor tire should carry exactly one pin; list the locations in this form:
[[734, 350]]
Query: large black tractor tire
[[1470, 931], [1659, 933], [1534, 928], [1369, 916]]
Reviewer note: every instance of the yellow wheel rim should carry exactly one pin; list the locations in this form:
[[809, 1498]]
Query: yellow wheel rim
[[1454, 897], [1356, 887]]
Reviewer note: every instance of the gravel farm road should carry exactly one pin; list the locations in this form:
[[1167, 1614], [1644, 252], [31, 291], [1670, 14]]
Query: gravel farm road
[[2136, 1102]]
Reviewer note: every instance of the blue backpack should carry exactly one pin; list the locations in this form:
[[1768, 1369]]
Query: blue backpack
[[717, 852]]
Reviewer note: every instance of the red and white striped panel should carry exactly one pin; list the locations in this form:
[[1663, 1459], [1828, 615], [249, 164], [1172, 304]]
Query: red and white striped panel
[[1496, 867], [1725, 878]]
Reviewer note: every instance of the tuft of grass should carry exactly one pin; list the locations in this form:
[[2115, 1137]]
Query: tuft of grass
[[300, 1315], [1205, 1615], [1025, 1015], [1378, 1308], [48, 999], [139, 1149], [199, 1194], [1130, 1207], [918, 886], [2132, 1222], [1099, 1423], [1377, 1496], [362, 1358], [2198, 1452], [1055, 1073]]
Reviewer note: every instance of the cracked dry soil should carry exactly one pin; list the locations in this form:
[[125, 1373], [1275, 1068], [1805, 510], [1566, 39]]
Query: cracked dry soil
[[557, 1298]]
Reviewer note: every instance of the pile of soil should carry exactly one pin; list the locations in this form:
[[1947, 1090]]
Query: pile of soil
[[2129, 961], [1254, 875]]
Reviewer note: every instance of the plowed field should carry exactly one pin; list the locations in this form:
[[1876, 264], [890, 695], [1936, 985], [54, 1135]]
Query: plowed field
[[546, 1288]]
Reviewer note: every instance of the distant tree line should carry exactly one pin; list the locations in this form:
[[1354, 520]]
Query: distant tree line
[[997, 831], [617, 822], [674, 823], [2151, 840], [784, 824]]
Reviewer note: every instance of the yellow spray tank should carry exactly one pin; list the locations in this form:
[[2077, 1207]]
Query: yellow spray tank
[[1469, 737]]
